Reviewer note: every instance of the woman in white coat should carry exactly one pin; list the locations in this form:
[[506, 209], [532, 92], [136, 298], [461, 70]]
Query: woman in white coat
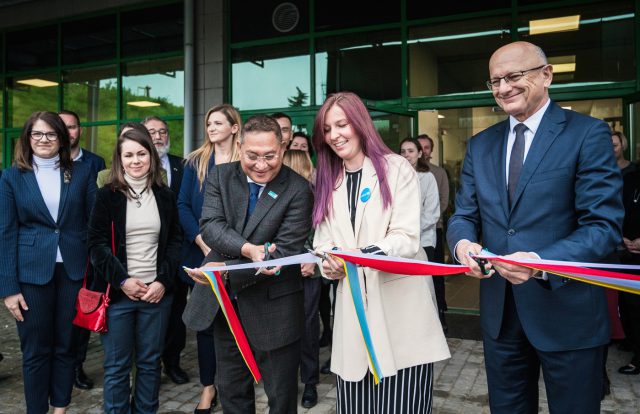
[[368, 199]]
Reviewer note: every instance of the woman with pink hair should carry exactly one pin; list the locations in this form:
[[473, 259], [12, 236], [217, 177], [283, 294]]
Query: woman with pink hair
[[368, 200]]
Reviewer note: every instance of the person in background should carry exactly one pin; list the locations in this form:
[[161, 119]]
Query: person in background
[[223, 126], [45, 200], [443, 192], [78, 154], [176, 333], [285, 123], [543, 183], [136, 212], [299, 161], [367, 199], [411, 150], [620, 145]]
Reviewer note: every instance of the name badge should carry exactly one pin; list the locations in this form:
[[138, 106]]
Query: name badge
[[273, 195], [365, 195]]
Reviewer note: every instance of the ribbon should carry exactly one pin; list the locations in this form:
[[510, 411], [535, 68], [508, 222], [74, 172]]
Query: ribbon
[[353, 284], [234, 323]]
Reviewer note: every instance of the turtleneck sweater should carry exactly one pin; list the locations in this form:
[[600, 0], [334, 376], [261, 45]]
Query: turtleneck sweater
[[47, 171], [142, 229]]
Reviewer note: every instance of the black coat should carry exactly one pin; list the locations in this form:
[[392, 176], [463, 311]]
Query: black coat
[[111, 206]]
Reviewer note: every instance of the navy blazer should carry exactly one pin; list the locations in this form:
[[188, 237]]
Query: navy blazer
[[95, 161], [190, 203], [567, 206], [111, 207], [30, 237], [177, 167]]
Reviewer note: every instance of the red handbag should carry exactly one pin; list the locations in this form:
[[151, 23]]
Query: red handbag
[[91, 306]]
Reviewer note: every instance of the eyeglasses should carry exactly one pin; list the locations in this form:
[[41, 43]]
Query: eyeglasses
[[250, 156], [38, 135], [511, 77], [162, 132]]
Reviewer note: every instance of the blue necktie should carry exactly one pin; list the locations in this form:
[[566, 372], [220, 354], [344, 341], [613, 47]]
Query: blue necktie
[[254, 192], [516, 161]]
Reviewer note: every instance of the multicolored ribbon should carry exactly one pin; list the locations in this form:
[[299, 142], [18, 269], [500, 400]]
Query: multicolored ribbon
[[215, 280], [353, 284]]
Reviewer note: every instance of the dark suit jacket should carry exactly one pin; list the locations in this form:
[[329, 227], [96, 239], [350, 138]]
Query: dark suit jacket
[[96, 162], [30, 237], [111, 206], [177, 166], [567, 207], [270, 307]]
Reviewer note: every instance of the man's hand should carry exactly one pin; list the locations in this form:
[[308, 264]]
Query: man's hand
[[155, 293], [514, 273], [464, 250], [197, 276], [254, 252], [14, 303], [134, 288], [307, 269], [202, 245]]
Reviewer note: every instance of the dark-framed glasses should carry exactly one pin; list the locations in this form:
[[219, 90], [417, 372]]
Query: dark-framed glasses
[[511, 78], [253, 157], [162, 132], [38, 135]]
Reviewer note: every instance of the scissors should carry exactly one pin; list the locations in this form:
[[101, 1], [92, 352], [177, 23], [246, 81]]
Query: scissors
[[267, 256]]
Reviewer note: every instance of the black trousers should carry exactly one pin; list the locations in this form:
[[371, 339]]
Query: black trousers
[[629, 305], [438, 281], [279, 369], [175, 340], [206, 356], [310, 357], [47, 341]]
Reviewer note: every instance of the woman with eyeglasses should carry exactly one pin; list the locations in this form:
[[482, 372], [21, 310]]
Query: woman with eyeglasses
[[367, 199], [222, 125], [45, 200]]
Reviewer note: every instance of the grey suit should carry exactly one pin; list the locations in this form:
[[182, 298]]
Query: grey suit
[[270, 308]]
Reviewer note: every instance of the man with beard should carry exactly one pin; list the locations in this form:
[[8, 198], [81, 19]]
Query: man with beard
[[72, 121], [173, 165], [78, 154]]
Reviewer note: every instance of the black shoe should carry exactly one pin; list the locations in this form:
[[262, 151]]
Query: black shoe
[[309, 396], [82, 381], [629, 369], [326, 367], [214, 403], [177, 374], [325, 339], [443, 321]]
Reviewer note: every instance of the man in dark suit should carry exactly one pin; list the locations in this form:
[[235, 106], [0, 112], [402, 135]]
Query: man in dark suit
[[246, 205], [542, 183], [176, 332], [97, 164]]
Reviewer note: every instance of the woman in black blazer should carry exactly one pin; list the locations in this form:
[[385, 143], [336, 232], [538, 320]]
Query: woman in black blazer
[[142, 211]]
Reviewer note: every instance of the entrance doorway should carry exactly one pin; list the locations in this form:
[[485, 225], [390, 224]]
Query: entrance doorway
[[451, 129]]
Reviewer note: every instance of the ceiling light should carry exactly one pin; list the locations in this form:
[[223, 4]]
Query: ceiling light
[[143, 104], [440, 116], [38, 83], [555, 24], [563, 64]]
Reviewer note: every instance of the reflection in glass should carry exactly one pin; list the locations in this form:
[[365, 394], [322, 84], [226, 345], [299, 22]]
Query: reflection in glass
[[454, 58], [393, 128], [89, 40], [100, 140], [91, 93], [598, 49], [28, 94], [275, 76], [153, 88], [176, 136], [365, 63]]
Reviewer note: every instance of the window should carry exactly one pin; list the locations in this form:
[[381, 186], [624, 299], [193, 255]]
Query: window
[[91, 93], [151, 31], [32, 49], [257, 20], [28, 94], [89, 40]]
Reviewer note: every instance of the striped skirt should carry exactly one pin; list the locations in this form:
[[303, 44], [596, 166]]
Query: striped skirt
[[408, 392]]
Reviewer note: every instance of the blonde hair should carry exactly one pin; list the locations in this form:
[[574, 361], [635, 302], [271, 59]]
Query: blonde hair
[[300, 162], [199, 158]]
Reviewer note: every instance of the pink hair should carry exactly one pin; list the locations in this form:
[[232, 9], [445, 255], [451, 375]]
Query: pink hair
[[329, 165]]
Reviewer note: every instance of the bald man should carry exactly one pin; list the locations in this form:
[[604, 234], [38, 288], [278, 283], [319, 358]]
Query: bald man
[[542, 183]]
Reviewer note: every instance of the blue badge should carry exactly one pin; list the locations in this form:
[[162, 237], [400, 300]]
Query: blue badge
[[365, 195], [273, 195]]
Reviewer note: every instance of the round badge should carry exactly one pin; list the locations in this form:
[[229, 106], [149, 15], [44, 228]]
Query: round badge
[[365, 195]]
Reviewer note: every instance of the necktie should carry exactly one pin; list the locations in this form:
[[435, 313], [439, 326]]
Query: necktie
[[516, 161], [254, 191]]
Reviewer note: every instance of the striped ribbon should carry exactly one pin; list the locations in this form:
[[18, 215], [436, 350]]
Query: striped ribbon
[[234, 323]]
